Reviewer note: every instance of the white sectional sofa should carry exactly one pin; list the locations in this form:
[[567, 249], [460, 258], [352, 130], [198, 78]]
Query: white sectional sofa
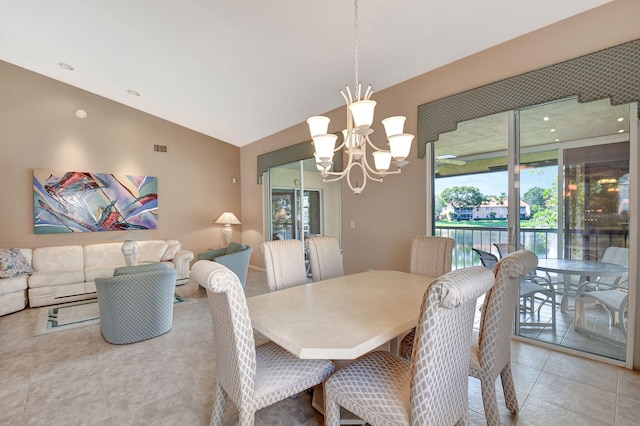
[[13, 291], [67, 273]]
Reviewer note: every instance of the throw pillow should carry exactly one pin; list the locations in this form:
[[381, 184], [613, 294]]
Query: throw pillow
[[13, 263]]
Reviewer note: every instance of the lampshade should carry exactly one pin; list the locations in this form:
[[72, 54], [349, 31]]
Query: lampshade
[[400, 146], [228, 218], [394, 125], [382, 160], [363, 113], [318, 125], [325, 145]]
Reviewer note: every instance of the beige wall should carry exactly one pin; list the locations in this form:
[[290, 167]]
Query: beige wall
[[39, 129], [388, 214]]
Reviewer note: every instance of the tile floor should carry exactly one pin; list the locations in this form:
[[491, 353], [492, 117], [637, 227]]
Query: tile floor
[[75, 378]]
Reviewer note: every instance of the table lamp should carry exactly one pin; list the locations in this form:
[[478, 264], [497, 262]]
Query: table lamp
[[228, 219]]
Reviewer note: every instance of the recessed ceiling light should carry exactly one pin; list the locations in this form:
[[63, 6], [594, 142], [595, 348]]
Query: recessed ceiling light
[[546, 118], [552, 130], [66, 66], [81, 114], [133, 92], [556, 140], [621, 131], [620, 119]]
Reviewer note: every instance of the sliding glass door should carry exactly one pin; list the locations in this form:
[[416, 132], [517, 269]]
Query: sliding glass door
[[300, 204], [552, 179]]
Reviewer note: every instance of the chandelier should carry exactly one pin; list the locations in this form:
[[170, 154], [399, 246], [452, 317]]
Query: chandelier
[[356, 138]]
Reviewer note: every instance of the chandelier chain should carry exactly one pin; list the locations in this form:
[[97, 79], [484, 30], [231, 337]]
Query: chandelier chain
[[355, 30]]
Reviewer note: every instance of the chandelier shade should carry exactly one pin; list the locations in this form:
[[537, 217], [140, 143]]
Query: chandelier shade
[[356, 140]]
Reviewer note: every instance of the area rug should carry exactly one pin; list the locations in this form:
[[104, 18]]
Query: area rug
[[72, 315]]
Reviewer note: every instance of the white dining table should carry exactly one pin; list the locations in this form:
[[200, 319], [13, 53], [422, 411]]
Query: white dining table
[[341, 318], [580, 268]]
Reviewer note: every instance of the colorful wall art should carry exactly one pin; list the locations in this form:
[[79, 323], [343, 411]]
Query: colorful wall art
[[93, 202]]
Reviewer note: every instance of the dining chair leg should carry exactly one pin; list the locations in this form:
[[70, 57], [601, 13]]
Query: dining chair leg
[[219, 403], [509, 389], [490, 402], [331, 412]]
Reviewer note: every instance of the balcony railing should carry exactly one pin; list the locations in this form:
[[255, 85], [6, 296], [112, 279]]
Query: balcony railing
[[542, 241]]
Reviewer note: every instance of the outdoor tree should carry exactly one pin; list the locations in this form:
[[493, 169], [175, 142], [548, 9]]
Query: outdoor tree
[[462, 196], [547, 215], [535, 198]]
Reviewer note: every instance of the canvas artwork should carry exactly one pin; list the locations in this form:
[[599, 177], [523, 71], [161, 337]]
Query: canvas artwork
[[93, 202]]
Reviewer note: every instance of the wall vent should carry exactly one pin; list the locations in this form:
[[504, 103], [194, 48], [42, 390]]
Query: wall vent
[[160, 148]]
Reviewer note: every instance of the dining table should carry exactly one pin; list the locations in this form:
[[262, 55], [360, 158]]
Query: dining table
[[341, 318], [583, 269]]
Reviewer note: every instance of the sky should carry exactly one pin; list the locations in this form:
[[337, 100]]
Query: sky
[[496, 182]]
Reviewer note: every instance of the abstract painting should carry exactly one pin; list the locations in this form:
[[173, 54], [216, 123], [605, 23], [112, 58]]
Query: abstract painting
[[93, 202]]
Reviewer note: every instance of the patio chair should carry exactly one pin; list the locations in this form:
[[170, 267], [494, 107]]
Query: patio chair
[[530, 286], [432, 388], [253, 377], [284, 264], [325, 257], [609, 293]]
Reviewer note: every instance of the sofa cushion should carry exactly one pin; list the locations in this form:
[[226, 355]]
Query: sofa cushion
[[13, 263], [106, 272], [17, 283], [150, 251], [103, 256], [235, 247], [58, 259], [173, 247], [54, 278]]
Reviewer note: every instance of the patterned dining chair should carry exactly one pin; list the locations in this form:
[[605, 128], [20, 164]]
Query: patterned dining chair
[[253, 377], [284, 264], [432, 388], [491, 352], [325, 257], [430, 256]]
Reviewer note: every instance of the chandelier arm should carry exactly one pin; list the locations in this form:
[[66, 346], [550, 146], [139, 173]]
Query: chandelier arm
[[372, 145]]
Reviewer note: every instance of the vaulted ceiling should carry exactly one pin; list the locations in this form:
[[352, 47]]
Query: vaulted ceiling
[[245, 69]]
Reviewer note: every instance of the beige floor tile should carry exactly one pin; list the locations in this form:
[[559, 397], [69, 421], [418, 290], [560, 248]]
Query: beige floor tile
[[577, 397], [81, 409], [543, 413], [582, 370], [627, 411]]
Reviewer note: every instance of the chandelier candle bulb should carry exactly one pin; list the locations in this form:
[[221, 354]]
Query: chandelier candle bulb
[[318, 125], [382, 160], [325, 145], [400, 146], [362, 113], [394, 125]]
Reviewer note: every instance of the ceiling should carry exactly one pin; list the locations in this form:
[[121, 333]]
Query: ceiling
[[245, 69], [480, 145]]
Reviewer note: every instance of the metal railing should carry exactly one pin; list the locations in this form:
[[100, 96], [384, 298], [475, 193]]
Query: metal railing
[[542, 241]]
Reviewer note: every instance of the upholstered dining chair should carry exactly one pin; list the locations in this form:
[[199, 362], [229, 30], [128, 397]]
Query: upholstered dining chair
[[431, 256], [491, 352], [136, 303], [253, 377], [284, 264], [325, 257], [432, 388]]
